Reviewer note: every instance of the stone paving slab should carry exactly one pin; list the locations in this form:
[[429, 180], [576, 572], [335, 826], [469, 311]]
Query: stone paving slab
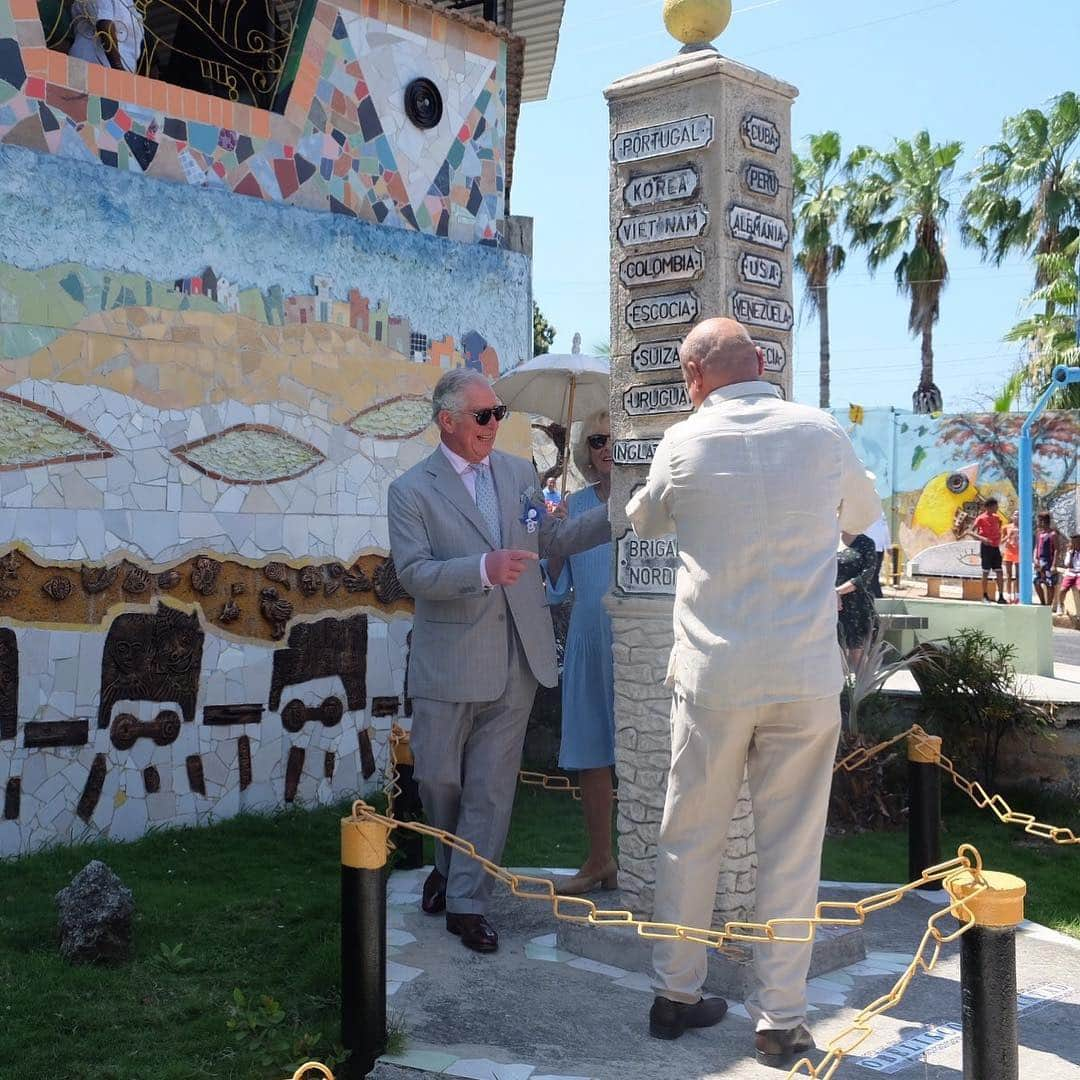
[[530, 1012]]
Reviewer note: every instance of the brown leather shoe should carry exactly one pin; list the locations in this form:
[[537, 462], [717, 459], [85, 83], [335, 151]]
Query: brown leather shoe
[[669, 1019], [779, 1047], [475, 931], [433, 898]]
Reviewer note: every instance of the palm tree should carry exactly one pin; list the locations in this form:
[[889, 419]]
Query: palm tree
[[899, 206], [1050, 336], [1025, 193], [821, 195]]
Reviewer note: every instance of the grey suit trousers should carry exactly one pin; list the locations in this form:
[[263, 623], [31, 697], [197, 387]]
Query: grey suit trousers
[[467, 760]]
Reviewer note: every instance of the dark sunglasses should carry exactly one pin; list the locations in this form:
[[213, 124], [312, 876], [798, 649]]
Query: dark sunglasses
[[598, 442], [483, 416]]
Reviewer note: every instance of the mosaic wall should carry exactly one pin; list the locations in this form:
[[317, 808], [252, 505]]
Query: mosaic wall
[[203, 401], [343, 144], [932, 471]]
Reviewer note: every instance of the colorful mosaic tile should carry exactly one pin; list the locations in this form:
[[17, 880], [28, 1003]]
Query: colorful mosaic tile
[[349, 147], [250, 454]]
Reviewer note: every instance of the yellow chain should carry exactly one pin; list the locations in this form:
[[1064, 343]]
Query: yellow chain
[[549, 783], [1003, 812], [301, 1073]]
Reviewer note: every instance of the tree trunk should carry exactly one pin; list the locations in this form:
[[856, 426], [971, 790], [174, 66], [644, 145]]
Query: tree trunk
[[823, 344], [927, 398]]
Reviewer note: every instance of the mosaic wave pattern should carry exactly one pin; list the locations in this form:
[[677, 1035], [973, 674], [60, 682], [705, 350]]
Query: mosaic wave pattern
[[251, 455], [31, 435], [343, 145]]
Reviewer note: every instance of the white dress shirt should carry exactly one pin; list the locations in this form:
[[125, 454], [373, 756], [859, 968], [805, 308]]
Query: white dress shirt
[[756, 490], [464, 469]]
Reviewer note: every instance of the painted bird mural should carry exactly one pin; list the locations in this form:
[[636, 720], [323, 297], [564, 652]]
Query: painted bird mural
[[943, 497]]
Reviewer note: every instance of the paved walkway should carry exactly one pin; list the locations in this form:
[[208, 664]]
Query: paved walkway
[[531, 1012]]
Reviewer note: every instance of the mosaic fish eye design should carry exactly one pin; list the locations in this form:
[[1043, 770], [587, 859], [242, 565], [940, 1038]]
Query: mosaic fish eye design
[[32, 435], [393, 418], [250, 454]]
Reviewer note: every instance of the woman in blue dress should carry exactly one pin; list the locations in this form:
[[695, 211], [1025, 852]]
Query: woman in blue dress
[[588, 690]]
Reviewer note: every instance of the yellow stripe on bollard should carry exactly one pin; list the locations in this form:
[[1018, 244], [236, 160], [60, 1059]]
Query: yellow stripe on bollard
[[365, 843], [1000, 899]]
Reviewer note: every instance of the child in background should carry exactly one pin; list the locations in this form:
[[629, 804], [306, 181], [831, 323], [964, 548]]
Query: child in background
[[1010, 557], [1046, 556], [1070, 580], [987, 530]]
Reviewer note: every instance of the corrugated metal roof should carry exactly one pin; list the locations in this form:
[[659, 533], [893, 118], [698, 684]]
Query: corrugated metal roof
[[538, 22]]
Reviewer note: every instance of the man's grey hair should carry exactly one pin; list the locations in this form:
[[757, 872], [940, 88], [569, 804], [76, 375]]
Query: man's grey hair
[[449, 392]]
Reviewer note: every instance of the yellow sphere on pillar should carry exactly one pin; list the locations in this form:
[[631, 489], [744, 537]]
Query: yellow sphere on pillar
[[695, 22]]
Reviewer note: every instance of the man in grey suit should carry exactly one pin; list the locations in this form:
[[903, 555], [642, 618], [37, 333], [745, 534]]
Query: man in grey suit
[[466, 529]]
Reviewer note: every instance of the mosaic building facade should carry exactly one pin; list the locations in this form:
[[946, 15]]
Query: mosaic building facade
[[219, 331]]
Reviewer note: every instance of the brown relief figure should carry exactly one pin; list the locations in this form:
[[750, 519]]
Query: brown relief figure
[[311, 580], [334, 572], [237, 588], [224, 715], [328, 647], [96, 579], [12, 798], [57, 588], [278, 573], [151, 657], [9, 576], [293, 768], [126, 730], [204, 575], [40, 734], [136, 581], [92, 791], [367, 755], [387, 587], [243, 757], [328, 765], [230, 612], [195, 777], [168, 579], [385, 706], [151, 780], [275, 611], [356, 580], [9, 683]]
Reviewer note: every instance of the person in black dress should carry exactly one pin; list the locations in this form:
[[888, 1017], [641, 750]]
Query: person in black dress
[[856, 565]]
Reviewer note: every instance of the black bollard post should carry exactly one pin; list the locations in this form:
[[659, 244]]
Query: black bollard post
[[924, 805], [988, 976], [406, 804], [363, 943]]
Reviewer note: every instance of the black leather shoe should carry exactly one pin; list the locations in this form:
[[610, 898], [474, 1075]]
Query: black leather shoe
[[780, 1047], [475, 931], [669, 1019], [433, 898]]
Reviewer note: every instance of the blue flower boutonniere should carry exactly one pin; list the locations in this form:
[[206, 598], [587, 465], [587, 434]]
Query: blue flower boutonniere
[[533, 510]]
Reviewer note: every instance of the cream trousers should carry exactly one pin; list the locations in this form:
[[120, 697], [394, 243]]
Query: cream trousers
[[788, 752]]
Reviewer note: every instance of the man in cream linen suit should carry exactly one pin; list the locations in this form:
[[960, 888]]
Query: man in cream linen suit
[[756, 490], [466, 528]]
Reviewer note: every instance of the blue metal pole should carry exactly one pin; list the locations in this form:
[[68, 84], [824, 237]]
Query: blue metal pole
[[1061, 376]]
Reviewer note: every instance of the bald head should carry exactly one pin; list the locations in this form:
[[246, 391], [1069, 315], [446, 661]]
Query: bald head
[[718, 352]]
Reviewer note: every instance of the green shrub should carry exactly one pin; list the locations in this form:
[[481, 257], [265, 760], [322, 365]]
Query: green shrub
[[968, 686]]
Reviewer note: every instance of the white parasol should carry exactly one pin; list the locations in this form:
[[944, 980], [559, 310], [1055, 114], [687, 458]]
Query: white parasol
[[558, 386]]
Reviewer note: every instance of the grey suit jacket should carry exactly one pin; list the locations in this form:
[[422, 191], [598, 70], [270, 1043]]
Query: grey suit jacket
[[437, 536]]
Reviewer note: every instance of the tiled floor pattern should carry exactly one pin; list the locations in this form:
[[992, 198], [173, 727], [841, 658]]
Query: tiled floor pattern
[[834, 989]]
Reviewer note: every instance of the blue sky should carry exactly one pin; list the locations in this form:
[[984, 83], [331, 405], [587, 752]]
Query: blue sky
[[873, 71]]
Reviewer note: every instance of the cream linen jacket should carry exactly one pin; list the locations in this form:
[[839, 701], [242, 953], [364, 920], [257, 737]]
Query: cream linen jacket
[[756, 490]]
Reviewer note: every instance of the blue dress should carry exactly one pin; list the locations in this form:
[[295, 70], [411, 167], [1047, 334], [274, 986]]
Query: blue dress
[[588, 682]]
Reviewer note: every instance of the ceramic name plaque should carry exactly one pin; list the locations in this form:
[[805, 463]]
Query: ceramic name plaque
[[654, 399], [646, 566], [675, 264], [656, 188], [658, 140], [672, 309], [633, 451]]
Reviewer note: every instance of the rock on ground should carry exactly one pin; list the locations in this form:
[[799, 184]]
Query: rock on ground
[[95, 913]]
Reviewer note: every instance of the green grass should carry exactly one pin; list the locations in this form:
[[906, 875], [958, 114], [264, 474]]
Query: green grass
[[253, 903]]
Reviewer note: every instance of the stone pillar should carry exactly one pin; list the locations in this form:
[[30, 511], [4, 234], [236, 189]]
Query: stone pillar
[[701, 226]]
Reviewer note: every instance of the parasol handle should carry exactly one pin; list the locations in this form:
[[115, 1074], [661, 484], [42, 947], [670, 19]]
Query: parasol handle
[[569, 424]]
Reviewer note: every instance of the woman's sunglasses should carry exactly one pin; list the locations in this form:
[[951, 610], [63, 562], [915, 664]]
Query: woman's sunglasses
[[483, 416], [598, 442]]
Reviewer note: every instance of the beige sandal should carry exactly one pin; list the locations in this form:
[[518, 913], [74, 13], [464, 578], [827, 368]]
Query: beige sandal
[[585, 883]]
